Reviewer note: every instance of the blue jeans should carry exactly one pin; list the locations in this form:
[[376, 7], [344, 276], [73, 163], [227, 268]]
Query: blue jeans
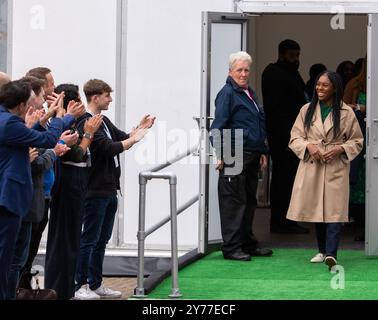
[[9, 226], [328, 235], [20, 257], [98, 223]]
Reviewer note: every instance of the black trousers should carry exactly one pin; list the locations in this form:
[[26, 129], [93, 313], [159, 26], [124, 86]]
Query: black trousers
[[36, 235], [63, 241], [237, 203], [284, 169]]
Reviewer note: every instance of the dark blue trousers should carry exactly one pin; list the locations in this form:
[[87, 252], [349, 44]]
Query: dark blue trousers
[[328, 235], [9, 226]]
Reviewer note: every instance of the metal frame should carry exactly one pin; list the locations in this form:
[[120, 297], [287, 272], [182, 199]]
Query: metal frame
[[142, 234], [247, 8], [372, 140], [120, 105], [10, 38], [307, 7], [8, 5], [207, 19]]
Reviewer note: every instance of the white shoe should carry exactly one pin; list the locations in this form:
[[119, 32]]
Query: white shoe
[[84, 293], [107, 293], [319, 257]]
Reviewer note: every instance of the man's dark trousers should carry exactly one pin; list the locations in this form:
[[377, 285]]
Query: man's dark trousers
[[237, 202]]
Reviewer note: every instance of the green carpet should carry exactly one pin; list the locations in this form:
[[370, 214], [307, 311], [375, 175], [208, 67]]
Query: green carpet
[[288, 275]]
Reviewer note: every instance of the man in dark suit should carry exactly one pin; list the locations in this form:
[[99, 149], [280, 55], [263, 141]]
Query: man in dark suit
[[283, 92]]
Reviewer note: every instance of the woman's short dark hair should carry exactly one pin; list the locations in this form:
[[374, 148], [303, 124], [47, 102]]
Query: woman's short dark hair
[[71, 92], [14, 93], [337, 101]]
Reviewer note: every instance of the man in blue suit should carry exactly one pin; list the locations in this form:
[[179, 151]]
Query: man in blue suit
[[238, 136], [15, 175]]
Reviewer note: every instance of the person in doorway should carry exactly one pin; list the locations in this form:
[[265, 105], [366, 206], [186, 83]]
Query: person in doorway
[[237, 108], [283, 94], [346, 71], [325, 137], [101, 198], [315, 70]]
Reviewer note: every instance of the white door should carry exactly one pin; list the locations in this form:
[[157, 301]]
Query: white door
[[372, 139], [222, 34]]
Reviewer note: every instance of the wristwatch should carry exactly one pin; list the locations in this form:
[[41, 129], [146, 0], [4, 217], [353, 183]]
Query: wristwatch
[[87, 135]]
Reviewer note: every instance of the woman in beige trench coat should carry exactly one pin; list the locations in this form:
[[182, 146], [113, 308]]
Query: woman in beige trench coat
[[326, 136]]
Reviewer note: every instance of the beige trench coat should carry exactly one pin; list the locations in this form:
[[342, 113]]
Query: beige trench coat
[[321, 190]]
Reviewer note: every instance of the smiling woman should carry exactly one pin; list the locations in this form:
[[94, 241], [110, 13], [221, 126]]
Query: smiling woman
[[326, 136]]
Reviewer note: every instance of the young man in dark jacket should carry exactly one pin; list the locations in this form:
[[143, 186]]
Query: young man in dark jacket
[[101, 199], [237, 109]]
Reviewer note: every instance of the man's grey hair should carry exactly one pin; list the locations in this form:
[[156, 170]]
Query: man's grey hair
[[241, 55]]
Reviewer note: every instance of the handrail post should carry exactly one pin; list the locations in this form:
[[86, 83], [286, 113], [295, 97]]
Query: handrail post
[[143, 178], [175, 291], [139, 290]]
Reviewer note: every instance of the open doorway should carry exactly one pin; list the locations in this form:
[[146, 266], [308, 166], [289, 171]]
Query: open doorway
[[322, 42], [260, 36]]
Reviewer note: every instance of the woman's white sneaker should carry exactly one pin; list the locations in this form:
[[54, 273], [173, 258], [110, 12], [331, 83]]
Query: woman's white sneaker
[[319, 257], [107, 293], [84, 293]]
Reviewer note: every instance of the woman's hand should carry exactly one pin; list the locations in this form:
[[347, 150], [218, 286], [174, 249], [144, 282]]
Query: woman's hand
[[333, 153], [315, 152]]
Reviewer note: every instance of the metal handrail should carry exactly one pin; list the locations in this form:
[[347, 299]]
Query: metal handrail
[[168, 218], [175, 159], [142, 234]]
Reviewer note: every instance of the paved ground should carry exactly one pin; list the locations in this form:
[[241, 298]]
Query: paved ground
[[125, 284]]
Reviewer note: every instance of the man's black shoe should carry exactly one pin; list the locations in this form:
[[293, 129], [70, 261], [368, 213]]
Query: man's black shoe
[[237, 255], [261, 252], [289, 229]]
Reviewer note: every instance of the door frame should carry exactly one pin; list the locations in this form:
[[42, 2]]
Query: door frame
[[208, 18], [283, 7]]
